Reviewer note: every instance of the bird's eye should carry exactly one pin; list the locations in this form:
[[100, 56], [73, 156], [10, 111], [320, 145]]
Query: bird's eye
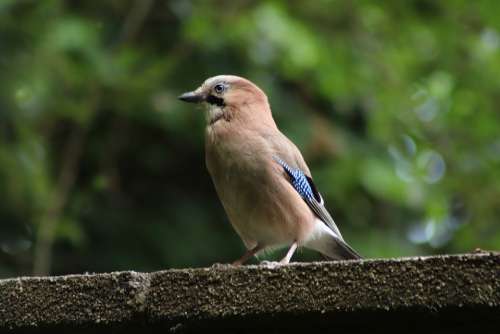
[[219, 88]]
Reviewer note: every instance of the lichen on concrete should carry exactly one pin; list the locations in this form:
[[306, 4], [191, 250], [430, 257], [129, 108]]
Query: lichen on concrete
[[343, 293]]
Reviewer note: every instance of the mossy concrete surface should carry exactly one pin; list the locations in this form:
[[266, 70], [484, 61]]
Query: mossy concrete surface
[[450, 292]]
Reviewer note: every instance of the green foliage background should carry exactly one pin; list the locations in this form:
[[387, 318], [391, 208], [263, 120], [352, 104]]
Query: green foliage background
[[394, 105]]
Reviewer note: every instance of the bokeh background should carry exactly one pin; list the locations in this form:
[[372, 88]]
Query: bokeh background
[[394, 104]]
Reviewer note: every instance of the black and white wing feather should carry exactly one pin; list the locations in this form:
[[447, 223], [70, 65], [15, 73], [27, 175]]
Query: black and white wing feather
[[306, 188]]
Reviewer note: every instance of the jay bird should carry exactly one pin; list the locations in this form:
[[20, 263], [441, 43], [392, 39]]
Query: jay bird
[[260, 176]]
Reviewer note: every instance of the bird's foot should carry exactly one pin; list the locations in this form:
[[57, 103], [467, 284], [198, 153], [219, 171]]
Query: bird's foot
[[221, 265], [270, 264]]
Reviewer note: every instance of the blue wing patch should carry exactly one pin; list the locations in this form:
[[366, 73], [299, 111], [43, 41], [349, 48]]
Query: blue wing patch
[[302, 183]]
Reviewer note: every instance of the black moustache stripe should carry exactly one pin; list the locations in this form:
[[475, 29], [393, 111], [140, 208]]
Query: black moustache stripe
[[215, 100]]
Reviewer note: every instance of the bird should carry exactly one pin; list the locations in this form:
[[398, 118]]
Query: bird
[[260, 176]]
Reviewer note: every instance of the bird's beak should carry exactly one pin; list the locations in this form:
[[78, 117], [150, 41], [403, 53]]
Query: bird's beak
[[192, 97]]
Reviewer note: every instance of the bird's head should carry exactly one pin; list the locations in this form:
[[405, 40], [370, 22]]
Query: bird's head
[[229, 97]]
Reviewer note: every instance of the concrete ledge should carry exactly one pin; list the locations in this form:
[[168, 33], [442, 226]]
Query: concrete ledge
[[408, 295]]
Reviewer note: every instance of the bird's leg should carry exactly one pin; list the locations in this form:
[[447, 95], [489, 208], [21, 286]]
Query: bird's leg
[[249, 253], [285, 260], [289, 254]]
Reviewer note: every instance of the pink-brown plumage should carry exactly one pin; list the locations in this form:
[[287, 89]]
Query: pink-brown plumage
[[241, 141]]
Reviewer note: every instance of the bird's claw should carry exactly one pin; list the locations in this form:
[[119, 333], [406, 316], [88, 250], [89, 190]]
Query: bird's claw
[[221, 265], [270, 264]]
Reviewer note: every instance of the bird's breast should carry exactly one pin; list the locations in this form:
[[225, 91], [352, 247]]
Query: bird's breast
[[260, 203]]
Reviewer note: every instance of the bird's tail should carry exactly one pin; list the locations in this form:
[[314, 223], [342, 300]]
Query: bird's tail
[[325, 241], [342, 251]]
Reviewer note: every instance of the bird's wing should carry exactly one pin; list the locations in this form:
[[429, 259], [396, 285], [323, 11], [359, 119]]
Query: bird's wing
[[306, 188], [319, 209]]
